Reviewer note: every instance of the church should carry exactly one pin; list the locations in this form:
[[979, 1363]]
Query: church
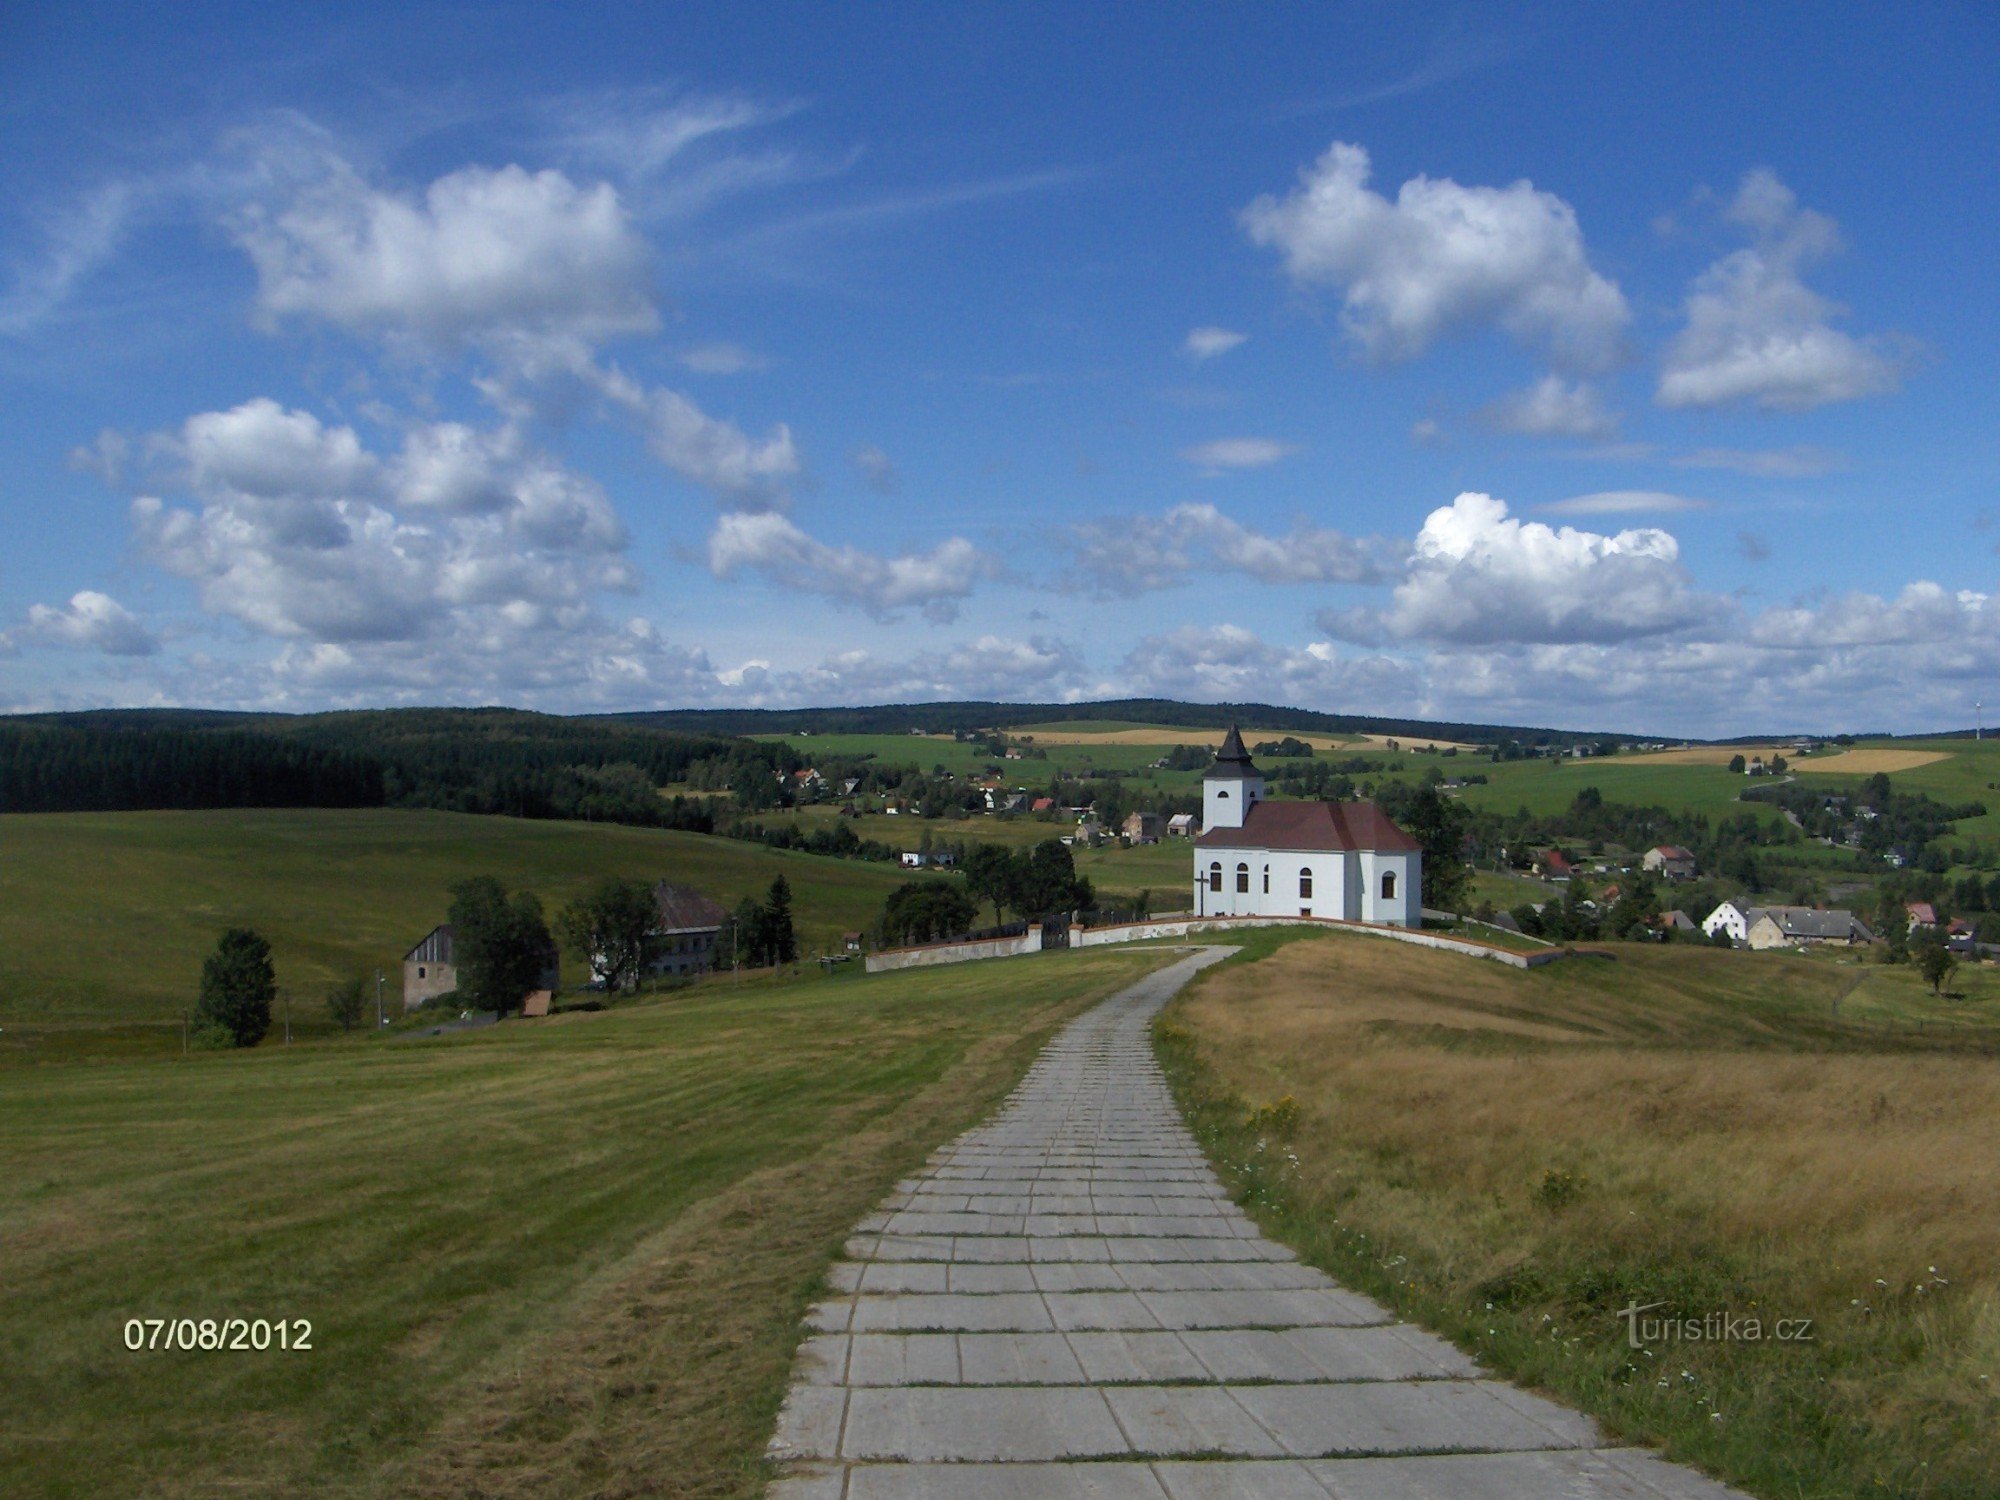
[[1298, 859]]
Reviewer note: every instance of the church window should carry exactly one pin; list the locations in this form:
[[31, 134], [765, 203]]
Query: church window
[[1305, 885], [1243, 879], [1267, 880], [1221, 795], [1215, 876], [1388, 885]]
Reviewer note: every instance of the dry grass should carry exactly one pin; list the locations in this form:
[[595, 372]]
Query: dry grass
[[1732, 1145]]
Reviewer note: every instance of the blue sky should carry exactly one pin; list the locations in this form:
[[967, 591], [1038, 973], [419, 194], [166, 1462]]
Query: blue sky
[[1590, 366]]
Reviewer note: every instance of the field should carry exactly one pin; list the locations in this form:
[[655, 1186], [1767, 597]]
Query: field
[[550, 1258], [1513, 1158], [105, 917], [1549, 786], [1080, 757]]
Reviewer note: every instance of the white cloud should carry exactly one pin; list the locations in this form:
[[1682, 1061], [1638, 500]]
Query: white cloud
[[1477, 576], [483, 253], [934, 581], [1429, 432], [89, 622], [1756, 332], [878, 469], [303, 534], [1442, 257], [1128, 555], [720, 359], [1225, 454], [709, 451], [1207, 342], [1553, 407], [1801, 462], [642, 132], [1226, 663], [1622, 503]]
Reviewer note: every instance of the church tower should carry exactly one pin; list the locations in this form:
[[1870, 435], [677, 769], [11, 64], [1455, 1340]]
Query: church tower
[[1232, 784]]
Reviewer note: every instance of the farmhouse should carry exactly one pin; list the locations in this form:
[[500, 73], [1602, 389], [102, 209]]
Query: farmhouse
[[1800, 926], [682, 940], [1183, 826], [431, 968], [1732, 917], [1142, 827], [1285, 859], [1669, 860]]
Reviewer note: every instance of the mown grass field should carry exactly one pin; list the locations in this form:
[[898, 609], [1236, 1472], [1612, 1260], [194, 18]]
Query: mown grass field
[[1511, 1158], [105, 917], [549, 1258]]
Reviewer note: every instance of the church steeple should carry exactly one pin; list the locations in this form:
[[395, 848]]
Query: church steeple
[[1232, 759], [1231, 786]]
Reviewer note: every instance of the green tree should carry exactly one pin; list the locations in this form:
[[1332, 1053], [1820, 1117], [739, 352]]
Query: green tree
[[347, 1002], [782, 937], [1892, 922], [989, 876], [924, 911], [1046, 881], [500, 943], [1935, 961], [1737, 764], [745, 939], [608, 925], [1634, 915], [237, 986], [1438, 825]]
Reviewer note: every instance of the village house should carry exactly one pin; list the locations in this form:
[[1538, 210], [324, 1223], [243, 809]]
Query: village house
[[914, 859], [685, 927], [1732, 917], [431, 969], [1183, 826], [1922, 914], [1800, 926], [1142, 827], [1551, 864], [1331, 859], [1669, 860]]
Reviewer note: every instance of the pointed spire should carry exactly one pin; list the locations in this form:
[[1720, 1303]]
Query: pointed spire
[[1232, 759]]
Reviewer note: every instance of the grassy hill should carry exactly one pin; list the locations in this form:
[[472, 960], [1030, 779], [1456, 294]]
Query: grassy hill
[[105, 917], [549, 1258], [1512, 1158]]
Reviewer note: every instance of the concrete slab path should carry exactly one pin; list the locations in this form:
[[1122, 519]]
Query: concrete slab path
[[1066, 1304]]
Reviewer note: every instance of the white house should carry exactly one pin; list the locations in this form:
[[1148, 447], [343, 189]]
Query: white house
[[1299, 859], [1734, 918]]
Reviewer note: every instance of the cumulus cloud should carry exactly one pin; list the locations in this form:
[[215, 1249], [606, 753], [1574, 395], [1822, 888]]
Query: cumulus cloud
[[301, 533], [481, 253], [89, 622], [1227, 663], [1132, 554], [934, 582], [1756, 333], [878, 469], [1477, 575], [1226, 454], [1441, 258], [1622, 503], [1552, 407], [1207, 342]]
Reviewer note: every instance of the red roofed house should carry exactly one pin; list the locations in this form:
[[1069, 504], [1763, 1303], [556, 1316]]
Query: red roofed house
[[1922, 914], [1551, 865], [1299, 859]]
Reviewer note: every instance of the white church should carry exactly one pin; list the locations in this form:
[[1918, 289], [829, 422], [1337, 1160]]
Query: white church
[[1299, 859]]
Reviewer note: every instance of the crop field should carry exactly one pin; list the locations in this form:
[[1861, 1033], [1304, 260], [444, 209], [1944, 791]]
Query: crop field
[[549, 1258], [105, 917], [1512, 1158], [1549, 786]]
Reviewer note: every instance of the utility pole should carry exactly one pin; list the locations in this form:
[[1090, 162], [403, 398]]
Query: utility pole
[[1978, 720], [379, 1022], [287, 993]]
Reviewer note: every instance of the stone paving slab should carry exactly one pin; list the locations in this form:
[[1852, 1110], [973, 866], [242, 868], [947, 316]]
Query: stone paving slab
[[1064, 1303]]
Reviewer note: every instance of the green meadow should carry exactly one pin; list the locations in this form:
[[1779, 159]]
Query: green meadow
[[547, 1258], [105, 917]]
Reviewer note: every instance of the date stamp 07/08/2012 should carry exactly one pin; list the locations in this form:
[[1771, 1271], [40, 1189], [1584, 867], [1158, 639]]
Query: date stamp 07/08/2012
[[254, 1335]]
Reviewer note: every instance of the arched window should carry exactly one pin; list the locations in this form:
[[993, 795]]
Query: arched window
[[1243, 879], [1388, 885], [1215, 876], [1221, 794], [1267, 880], [1305, 885]]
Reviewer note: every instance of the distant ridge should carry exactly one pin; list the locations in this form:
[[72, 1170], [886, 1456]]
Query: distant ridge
[[896, 718]]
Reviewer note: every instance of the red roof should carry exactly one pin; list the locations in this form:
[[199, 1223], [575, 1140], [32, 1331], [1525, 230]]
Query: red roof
[[1923, 912], [1313, 825], [1554, 862], [1043, 804], [1672, 851]]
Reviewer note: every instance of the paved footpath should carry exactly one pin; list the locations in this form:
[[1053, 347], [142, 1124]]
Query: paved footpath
[[1066, 1304]]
